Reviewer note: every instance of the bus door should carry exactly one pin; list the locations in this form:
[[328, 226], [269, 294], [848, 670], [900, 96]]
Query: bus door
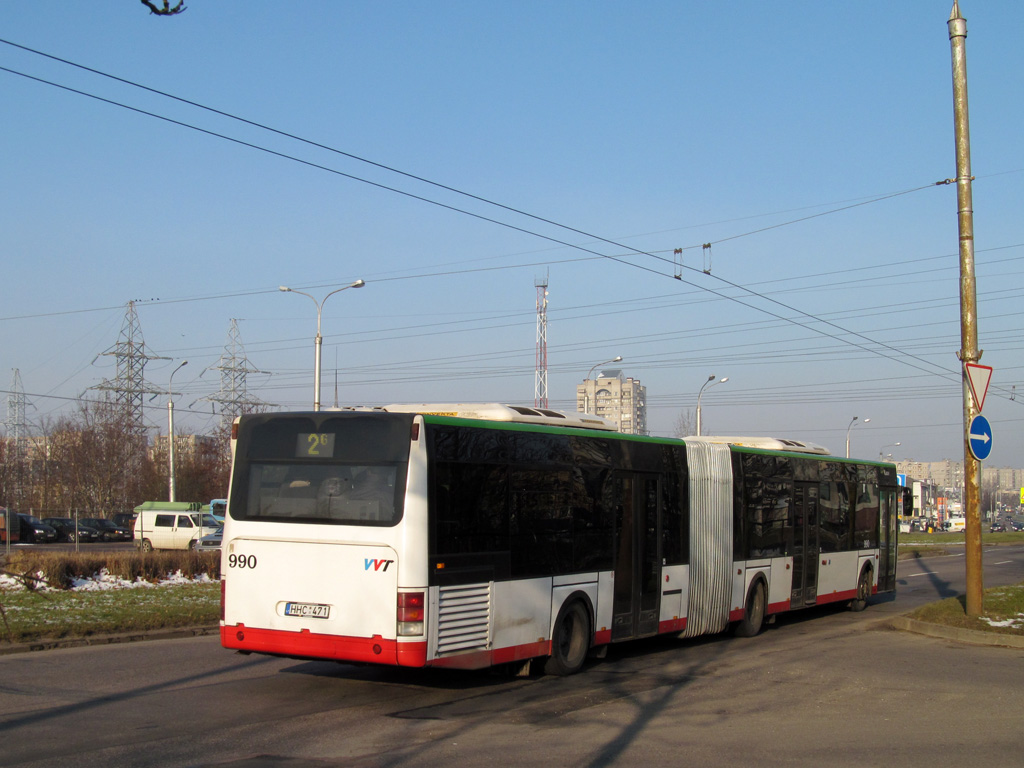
[[887, 533], [637, 594], [806, 545]]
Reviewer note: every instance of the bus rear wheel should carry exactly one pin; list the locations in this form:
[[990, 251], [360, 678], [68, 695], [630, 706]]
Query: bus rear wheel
[[753, 616], [570, 640]]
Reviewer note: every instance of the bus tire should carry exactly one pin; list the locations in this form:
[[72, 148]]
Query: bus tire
[[570, 640], [860, 602], [753, 617]]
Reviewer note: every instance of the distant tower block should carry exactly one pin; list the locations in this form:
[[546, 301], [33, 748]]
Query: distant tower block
[[540, 385]]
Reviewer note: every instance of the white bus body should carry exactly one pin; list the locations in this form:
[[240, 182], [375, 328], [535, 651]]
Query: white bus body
[[570, 539]]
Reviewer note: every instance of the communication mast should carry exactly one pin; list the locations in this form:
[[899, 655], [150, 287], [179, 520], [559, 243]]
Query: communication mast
[[540, 386]]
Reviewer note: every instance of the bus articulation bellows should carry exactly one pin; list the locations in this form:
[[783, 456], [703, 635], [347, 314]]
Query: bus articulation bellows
[[467, 536]]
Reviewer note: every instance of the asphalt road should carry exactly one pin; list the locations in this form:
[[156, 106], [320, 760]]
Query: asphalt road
[[826, 687]]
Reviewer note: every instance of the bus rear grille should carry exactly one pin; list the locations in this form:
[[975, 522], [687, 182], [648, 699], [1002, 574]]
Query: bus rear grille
[[463, 617]]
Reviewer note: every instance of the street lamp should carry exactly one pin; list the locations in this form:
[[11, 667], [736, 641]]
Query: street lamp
[[170, 432], [318, 344], [852, 422], [881, 452], [711, 378], [586, 389]]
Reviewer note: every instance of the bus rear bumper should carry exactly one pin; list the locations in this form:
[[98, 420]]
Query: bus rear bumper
[[310, 645]]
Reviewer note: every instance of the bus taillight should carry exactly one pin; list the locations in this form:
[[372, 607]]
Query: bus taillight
[[410, 613]]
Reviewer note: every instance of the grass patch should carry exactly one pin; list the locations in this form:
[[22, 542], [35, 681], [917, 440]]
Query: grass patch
[[912, 551], [914, 545], [42, 605], [61, 614], [1009, 537], [1003, 612]]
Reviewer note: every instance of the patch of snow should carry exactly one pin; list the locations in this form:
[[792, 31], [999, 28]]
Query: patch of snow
[[103, 581], [1014, 623]]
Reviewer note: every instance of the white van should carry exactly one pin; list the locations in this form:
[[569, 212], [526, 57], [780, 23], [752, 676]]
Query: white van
[[167, 529], [956, 524]]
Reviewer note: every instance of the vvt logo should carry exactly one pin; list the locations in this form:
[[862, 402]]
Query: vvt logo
[[376, 564]]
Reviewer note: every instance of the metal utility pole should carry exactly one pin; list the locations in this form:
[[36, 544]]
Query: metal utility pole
[[969, 352], [318, 341], [170, 433]]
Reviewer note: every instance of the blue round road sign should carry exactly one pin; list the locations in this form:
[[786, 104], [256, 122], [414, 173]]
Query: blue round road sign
[[979, 437]]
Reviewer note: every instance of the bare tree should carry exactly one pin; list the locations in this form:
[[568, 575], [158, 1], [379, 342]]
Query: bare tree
[[202, 468], [98, 461], [686, 424], [166, 11]]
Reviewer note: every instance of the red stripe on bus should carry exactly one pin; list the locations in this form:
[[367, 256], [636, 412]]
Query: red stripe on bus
[[304, 644], [672, 625], [835, 597]]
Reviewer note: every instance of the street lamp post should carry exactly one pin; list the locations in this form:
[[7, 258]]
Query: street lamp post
[[700, 394], [881, 452], [852, 422], [170, 433], [586, 389], [319, 341]]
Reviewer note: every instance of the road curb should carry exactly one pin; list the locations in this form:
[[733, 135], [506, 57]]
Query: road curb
[[957, 634], [170, 633]]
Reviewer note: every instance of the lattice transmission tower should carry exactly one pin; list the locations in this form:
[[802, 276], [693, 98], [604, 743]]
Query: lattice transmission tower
[[234, 367], [540, 379], [16, 430], [16, 427], [130, 384]]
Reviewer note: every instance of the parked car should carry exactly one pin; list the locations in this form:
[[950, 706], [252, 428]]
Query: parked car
[[35, 531], [210, 542], [67, 531], [125, 519], [109, 531]]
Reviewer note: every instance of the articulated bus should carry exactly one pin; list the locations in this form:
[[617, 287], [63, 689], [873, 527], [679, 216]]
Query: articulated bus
[[466, 536]]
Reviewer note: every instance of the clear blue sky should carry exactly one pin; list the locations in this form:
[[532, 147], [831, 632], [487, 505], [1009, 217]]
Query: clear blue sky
[[770, 130]]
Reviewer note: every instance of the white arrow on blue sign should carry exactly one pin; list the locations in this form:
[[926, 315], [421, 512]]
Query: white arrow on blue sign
[[979, 437]]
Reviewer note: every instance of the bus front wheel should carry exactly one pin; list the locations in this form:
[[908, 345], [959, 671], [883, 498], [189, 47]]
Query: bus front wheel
[[570, 640], [860, 602]]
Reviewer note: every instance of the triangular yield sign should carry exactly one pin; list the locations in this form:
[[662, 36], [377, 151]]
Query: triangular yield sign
[[978, 376]]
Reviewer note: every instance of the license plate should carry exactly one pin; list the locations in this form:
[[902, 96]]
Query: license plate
[[308, 610]]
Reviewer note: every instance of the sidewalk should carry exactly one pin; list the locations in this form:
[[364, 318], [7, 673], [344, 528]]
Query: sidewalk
[[169, 633], [956, 634]]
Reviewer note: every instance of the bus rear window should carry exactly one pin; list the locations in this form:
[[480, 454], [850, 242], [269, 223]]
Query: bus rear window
[[341, 468], [337, 493]]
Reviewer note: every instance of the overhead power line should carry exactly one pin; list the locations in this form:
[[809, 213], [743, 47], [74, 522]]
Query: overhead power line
[[810, 321]]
